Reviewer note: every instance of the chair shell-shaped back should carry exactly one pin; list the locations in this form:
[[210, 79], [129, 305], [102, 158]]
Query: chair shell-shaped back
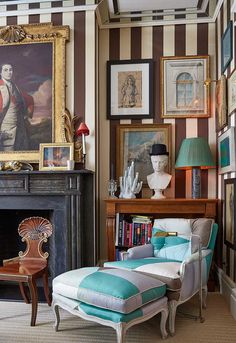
[[34, 232]]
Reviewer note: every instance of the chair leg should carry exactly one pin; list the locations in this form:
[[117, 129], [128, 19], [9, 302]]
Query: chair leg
[[120, 333], [46, 289], [204, 296], [164, 316], [23, 293], [34, 299], [172, 315], [56, 312]]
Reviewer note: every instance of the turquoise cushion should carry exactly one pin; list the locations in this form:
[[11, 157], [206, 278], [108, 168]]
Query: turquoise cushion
[[114, 289], [176, 248], [157, 242]]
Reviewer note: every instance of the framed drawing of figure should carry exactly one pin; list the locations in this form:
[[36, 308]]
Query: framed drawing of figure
[[130, 89], [230, 213]]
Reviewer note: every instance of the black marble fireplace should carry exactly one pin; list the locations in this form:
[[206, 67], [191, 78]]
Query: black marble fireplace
[[66, 198]]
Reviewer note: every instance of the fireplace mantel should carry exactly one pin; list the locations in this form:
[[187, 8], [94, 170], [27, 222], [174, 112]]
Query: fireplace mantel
[[69, 198]]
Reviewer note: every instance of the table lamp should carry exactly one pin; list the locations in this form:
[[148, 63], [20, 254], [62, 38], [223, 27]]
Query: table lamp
[[83, 131], [195, 154]]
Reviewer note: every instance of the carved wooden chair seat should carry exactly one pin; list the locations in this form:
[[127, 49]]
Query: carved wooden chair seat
[[32, 263]]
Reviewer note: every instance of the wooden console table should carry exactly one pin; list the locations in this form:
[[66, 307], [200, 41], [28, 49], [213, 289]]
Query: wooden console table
[[187, 208]]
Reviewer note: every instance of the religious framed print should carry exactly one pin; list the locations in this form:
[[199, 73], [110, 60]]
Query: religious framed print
[[32, 86], [232, 92], [227, 47], [230, 213], [130, 89], [226, 149], [221, 103], [183, 90], [134, 143]]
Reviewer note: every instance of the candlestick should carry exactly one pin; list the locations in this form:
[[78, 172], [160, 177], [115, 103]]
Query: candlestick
[[83, 144]]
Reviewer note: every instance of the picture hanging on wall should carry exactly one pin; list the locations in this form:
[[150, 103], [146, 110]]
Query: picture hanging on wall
[[134, 143], [232, 92], [221, 103], [230, 213], [130, 89], [226, 47], [183, 90], [226, 148]]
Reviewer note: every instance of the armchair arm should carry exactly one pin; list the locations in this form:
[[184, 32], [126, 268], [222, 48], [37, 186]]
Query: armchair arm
[[141, 251]]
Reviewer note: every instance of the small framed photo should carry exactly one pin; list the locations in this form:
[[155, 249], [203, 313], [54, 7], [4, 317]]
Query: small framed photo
[[221, 103], [232, 92], [230, 213], [226, 47], [130, 89], [54, 156], [226, 148], [183, 92], [134, 143]]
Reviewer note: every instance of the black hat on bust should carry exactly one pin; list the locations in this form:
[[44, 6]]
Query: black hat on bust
[[158, 149]]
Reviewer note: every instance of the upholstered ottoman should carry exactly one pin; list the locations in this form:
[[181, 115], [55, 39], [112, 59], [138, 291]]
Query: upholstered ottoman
[[112, 297]]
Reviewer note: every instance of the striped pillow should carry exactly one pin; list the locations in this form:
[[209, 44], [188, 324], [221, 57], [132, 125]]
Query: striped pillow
[[114, 289]]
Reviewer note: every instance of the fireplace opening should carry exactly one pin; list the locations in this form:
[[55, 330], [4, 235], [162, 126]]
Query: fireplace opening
[[10, 241]]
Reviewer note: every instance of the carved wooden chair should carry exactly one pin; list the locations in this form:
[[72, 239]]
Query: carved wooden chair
[[32, 263]]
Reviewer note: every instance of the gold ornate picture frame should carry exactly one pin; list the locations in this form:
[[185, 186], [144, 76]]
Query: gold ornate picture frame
[[134, 143], [32, 89]]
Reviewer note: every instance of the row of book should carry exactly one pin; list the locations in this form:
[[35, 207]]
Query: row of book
[[137, 230]]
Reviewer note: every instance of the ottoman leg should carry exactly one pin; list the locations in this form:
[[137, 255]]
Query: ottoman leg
[[164, 316], [172, 315], [57, 316], [120, 333]]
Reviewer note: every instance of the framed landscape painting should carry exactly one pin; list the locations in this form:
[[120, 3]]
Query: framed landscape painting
[[55, 156], [32, 70], [230, 213], [134, 143], [130, 89]]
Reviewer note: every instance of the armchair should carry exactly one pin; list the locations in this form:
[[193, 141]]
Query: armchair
[[180, 254]]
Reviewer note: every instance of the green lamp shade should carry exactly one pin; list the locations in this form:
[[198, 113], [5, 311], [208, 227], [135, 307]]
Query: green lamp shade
[[194, 152]]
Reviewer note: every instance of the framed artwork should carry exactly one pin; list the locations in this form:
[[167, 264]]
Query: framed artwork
[[134, 143], [232, 92], [130, 89], [226, 47], [230, 213], [32, 71], [221, 103], [226, 148], [54, 156], [183, 93]]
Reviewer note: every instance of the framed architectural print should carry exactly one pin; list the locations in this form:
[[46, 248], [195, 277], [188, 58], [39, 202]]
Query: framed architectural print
[[227, 47], [34, 61], [183, 92], [232, 92], [130, 89], [226, 148], [134, 143], [230, 213], [221, 103], [55, 156]]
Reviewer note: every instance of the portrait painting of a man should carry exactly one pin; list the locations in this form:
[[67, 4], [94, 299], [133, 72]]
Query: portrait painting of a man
[[26, 108]]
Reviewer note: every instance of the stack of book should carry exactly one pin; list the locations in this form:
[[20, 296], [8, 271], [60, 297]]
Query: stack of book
[[136, 230]]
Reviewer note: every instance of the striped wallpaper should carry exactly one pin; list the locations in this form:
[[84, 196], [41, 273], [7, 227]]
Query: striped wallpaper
[[229, 255]]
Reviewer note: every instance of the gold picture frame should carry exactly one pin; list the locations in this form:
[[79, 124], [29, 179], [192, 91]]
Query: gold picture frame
[[134, 144], [36, 54], [183, 91], [221, 103], [54, 156]]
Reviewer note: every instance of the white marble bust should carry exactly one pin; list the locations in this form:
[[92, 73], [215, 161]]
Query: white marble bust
[[159, 180]]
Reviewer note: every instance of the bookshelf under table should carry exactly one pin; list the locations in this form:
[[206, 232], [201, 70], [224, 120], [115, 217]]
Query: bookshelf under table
[[187, 208]]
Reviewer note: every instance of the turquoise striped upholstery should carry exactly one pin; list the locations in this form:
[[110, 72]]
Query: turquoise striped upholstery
[[114, 289]]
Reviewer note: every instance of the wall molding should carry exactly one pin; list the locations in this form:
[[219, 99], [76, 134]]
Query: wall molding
[[228, 290]]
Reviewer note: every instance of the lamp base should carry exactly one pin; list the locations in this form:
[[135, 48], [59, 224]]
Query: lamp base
[[196, 183], [84, 160]]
